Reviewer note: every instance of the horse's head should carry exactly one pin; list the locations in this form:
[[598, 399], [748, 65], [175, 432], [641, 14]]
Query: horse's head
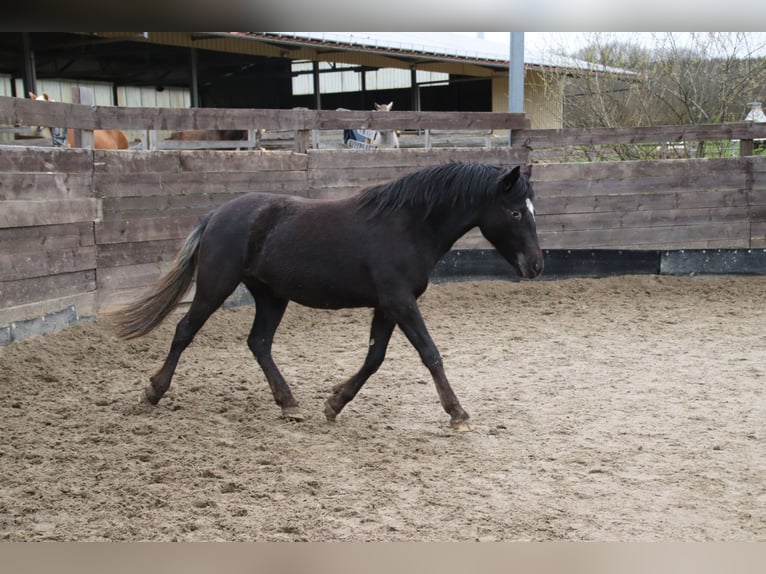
[[509, 222], [384, 107], [44, 96]]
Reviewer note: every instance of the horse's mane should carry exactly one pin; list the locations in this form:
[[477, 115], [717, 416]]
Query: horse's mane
[[447, 185]]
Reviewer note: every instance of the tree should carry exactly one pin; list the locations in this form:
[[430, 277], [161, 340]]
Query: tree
[[706, 77]]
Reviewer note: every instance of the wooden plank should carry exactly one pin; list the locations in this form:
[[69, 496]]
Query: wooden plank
[[141, 275], [24, 291], [22, 213], [646, 186], [50, 262], [720, 235], [36, 239], [124, 230], [636, 170], [45, 160], [687, 199], [118, 254], [166, 162], [22, 111], [360, 177], [644, 219], [84, 304], [127, 185], [202, 183], [345, 159], [758, 234], [44, 186], [167, 205], [637, 135]]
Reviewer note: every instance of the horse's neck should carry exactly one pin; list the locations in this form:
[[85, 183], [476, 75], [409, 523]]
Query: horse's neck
[[388, 138], [446, 224]]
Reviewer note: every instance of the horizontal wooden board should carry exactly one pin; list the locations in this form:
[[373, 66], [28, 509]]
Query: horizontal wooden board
[[24, 291], [131, 276], [730, 235], [115, 208], [635, 135], [22, 111], [645, 219], [45, 160], [758, 234], [26, 213], [45, 186], [171, 161], [618, 204], [345, 159], [45, 237], [128, 230], [118, 254], [84, 304], [590, 187], [49, 262]]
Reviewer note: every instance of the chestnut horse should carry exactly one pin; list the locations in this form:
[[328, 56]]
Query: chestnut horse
[[102, 139], [374, 249]]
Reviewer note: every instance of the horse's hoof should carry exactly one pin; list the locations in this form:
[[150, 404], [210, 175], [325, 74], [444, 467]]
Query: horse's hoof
[[293, 414], [461, 426], [150, 397], [329, 413]]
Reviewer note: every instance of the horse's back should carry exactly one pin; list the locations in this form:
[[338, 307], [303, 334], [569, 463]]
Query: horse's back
[[104, 139]]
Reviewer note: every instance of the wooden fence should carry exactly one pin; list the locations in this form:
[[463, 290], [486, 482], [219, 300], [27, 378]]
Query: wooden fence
[[80, 228]]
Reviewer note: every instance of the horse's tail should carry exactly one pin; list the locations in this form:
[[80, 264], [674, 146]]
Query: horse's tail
[[143, 315]]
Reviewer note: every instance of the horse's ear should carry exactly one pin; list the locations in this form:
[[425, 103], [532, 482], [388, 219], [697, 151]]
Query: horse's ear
[[46, 96], [390, 105], [527, 170], [33, 95], [508, 179]]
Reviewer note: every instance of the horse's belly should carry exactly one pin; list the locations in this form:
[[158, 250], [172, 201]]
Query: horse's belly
[[321, 283], [326, 294]]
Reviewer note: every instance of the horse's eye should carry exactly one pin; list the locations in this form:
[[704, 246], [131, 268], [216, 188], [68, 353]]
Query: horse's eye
[[516, 214]]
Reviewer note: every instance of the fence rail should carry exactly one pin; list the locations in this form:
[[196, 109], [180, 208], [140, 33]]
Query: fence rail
[[81, 228]]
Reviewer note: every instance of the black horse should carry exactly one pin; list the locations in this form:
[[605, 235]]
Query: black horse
[[374, 249]]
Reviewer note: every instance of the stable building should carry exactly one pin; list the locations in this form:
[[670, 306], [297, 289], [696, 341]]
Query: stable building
[[423, 71]]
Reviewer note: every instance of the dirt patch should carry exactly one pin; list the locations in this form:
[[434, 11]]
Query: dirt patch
[[627, 408]]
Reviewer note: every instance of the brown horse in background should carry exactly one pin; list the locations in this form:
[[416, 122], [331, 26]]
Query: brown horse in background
[[209, 135], [102, 139]]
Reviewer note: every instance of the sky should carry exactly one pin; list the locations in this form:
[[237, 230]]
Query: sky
[[569, 42]]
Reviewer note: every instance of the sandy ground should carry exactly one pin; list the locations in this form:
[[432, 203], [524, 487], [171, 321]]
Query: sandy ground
[[619, 409]]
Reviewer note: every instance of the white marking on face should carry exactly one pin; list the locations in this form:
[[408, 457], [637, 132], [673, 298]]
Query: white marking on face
[[531, 208]]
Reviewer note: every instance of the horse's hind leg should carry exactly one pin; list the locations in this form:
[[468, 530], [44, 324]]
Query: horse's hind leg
[[210, 294], [184, 334], [269, 310], [380, 335]]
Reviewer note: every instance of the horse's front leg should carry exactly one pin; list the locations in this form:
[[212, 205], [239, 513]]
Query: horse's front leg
[[411, 322], [380, 335], [268, 315]]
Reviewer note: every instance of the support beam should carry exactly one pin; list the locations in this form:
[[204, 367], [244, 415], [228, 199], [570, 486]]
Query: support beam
[[317, 89], [193, 79], [30, 76], [516, 76]]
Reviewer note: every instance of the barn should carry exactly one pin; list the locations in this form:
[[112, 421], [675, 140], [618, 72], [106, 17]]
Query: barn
[[427, 71]]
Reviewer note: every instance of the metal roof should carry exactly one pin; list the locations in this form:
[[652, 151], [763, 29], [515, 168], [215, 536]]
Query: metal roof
[[422, 47]]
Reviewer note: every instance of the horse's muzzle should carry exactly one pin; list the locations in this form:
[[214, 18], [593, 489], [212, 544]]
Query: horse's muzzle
[[530, 268]]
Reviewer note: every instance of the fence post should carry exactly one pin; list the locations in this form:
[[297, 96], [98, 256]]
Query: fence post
[[302, 139], [745, 147], [84, 96]]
